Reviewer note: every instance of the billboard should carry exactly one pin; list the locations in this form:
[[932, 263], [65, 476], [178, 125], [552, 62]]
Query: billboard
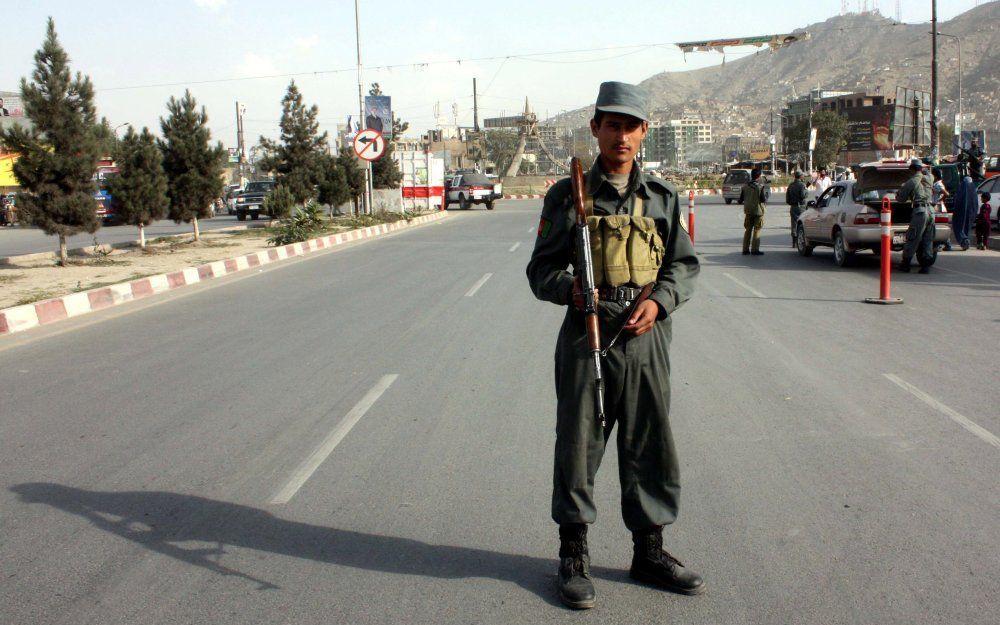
[[378, 114], [911, 118], [11, 106], [7, 177], [234, 155], [503, 122], [868, 128]]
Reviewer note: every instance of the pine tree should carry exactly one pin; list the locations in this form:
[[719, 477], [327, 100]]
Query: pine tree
[[59, 153], [278, 202], [385, 171], [334, 190], [193, 167], [139, 191], [353, 172], [298, 158]]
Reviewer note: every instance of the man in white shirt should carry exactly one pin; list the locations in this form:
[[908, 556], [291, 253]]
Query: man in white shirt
[[822, 182]]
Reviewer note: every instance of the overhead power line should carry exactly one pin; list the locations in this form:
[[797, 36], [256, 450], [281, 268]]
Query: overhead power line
[[714, 44]]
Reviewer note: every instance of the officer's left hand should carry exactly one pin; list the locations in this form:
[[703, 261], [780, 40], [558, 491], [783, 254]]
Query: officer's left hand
[[642, 318]]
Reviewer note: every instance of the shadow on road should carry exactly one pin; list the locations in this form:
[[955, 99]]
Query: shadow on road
[[161, 521]]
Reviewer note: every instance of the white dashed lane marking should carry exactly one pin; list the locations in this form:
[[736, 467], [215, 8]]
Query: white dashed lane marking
[[323, 451], [515, 246], [955, 416], [745, 286], [475, 287]]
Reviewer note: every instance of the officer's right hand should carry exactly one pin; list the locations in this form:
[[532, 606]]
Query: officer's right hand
[[578, 299]]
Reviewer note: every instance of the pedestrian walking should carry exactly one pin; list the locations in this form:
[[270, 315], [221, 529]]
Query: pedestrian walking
[[795, 197], [983, 223], [755, 197], [638, 238], [920, 234]]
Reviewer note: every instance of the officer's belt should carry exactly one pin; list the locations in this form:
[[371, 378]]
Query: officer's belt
[[624, 295]]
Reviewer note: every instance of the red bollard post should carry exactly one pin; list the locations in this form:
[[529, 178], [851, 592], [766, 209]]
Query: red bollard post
[[885, 221], [691, 214]]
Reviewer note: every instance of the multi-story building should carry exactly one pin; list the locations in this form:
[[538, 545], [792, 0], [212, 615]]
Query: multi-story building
[[668, 142], [659, 145]]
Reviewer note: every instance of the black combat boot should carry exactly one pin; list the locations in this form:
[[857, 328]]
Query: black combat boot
[[653, 565], [576, 590]]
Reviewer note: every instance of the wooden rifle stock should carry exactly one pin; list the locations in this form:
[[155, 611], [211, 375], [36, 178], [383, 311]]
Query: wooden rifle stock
[[585, 274]]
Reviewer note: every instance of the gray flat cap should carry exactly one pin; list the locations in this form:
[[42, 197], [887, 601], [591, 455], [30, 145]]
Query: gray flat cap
[[623, 98], [916, 163]]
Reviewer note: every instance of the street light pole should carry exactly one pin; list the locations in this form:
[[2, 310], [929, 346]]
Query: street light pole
[[809, 136], [367, 198], [771, 139], [934, 123], [961, 120]]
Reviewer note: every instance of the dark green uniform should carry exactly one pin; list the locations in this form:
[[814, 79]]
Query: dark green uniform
[[754, 207], [636, 370], [920, 233]]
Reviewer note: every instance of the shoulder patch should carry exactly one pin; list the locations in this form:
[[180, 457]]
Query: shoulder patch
[[544, 228]]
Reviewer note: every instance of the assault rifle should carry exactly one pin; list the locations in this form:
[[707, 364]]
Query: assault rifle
[[585, 273]]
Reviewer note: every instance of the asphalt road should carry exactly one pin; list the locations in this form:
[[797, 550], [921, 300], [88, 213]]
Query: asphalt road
[[369, 439], [17, 241]]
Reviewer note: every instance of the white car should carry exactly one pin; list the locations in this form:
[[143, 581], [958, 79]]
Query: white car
[[846, 215]]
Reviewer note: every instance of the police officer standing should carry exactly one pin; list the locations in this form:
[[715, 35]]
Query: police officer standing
[[920, 234], [755, 197], [637, 238], [795, 197]]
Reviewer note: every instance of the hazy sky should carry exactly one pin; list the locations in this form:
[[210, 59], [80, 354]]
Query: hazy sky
[[138, 53]]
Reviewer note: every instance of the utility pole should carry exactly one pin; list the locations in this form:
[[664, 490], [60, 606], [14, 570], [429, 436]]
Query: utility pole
[[774, 166], [475, 125], [809, 136], [960, 119], [934, 106], [240, 145], [475, 107], [367, 198]]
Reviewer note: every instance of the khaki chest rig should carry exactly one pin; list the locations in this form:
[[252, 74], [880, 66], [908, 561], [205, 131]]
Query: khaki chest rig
[[626, 249]]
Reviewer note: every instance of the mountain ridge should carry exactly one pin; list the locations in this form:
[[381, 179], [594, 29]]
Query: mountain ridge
[[852, 52]]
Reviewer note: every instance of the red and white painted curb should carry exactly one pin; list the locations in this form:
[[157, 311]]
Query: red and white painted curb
[[539, 196], [524, 196], [20, 318]]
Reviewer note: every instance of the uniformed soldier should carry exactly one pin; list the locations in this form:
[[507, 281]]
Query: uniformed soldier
[[637, 237], [755, 197], [795, 197], [920, 234]]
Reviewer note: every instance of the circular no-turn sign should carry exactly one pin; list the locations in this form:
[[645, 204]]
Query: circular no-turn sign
[[369, 144]]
